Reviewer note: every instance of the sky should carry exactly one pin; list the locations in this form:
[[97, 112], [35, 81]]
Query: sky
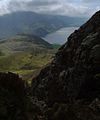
[[78, 8]]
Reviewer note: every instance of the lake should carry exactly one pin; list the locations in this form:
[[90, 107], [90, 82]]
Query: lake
[[60, 36]]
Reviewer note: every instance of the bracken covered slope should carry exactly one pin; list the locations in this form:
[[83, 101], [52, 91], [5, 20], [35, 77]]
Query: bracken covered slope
[[74, 74]]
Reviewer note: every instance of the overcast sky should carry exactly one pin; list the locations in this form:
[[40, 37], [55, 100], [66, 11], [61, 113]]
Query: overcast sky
[[80, 8]]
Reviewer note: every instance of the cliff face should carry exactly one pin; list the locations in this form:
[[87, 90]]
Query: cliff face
[[74, 74]]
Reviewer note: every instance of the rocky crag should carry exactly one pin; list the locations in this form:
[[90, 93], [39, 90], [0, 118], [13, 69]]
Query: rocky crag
[[15, 101], [73, 77]]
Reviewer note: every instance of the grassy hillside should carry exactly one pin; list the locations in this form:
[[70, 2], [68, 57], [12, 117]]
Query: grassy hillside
[[22, 43], [24, 63], [25, 55]]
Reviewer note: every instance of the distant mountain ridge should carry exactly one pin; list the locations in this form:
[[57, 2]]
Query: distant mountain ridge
[[33, 23]]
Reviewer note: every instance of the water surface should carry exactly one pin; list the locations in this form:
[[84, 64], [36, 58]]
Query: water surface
[[60, 36]]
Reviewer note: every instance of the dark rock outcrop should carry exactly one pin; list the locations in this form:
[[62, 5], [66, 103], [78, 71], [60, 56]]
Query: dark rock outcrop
[[74, 74], [15, 103]]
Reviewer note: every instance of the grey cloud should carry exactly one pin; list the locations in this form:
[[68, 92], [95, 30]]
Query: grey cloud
[[32, 5], [60, 7], [41, 3], [91, 1]]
